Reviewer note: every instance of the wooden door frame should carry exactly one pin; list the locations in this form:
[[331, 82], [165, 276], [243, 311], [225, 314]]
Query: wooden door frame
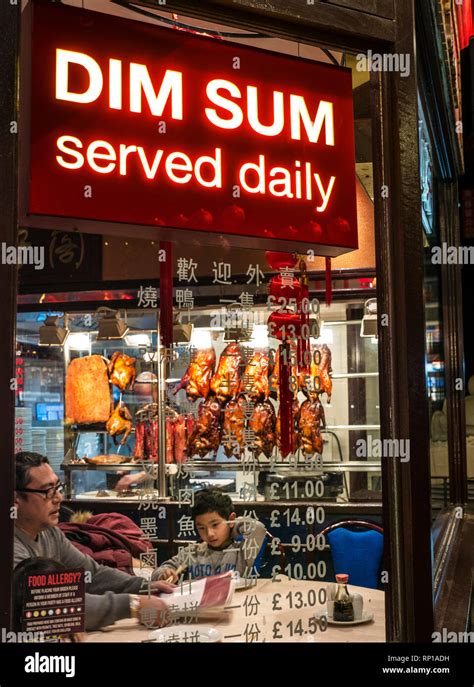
[[9, 51]]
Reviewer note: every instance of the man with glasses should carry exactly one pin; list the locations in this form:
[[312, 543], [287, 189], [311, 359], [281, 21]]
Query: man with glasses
[[111, 594]]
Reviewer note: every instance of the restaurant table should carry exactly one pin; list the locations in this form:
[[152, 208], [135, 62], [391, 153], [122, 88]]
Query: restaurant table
[[248, 621]]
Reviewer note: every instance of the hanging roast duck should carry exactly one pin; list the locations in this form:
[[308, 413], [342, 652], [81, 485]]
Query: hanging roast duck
[[226, 381], [122, 370], [120, 422], [309, 423], [197, 377]]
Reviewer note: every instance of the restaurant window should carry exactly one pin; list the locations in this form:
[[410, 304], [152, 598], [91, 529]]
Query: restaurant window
[[107, 400]]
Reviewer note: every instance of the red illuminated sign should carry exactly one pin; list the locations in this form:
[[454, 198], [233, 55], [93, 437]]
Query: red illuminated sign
[[144, 125]]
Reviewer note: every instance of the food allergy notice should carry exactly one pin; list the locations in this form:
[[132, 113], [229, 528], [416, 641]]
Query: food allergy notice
[[54, 603]]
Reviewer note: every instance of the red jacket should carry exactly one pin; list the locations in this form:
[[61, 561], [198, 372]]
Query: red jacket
[[109, 538]]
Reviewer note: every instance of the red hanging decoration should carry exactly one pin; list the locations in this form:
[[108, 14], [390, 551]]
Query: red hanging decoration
[[166, 295], [284, 324], [328, 282], [303, 309], [278, 287], [277, 260], [287, 438]]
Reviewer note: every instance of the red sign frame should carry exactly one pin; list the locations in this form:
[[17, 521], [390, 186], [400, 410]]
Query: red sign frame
[[135, 124]]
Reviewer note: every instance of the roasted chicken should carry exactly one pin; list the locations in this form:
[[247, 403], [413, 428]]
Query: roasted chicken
[[325, 369], [310, 380], [120, 422], [255, 378], [311, 419], [234, 424], [197, 377], [122, 370], [206, 434], [318, 381], [226, 381], [263, 425]]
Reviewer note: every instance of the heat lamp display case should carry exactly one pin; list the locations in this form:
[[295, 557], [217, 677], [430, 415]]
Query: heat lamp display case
[[208, 409]]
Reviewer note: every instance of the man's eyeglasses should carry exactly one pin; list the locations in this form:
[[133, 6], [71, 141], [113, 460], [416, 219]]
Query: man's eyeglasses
[[48, 494]]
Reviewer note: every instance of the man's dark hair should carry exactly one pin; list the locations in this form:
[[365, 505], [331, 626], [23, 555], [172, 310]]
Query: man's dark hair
[[24, 461], [210, 501]]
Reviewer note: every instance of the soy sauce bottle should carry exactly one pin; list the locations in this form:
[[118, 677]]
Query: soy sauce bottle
[[343, 609]]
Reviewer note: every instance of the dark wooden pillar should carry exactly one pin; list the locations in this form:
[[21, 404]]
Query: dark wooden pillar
[[9, 132], [404, 410]]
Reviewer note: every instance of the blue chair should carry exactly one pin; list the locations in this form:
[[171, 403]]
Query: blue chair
[[259, 559], [356, 549], [265, 559]]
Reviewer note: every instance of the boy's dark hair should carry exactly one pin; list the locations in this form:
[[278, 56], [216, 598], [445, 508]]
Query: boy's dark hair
[[24, 461], [210, 501]]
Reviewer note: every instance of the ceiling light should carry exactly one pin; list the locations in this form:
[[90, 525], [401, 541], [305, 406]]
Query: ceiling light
[[79, 341], [50, 334], [137, 340], [182, 333], [201, 339], [259, 338], [111, 325]]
